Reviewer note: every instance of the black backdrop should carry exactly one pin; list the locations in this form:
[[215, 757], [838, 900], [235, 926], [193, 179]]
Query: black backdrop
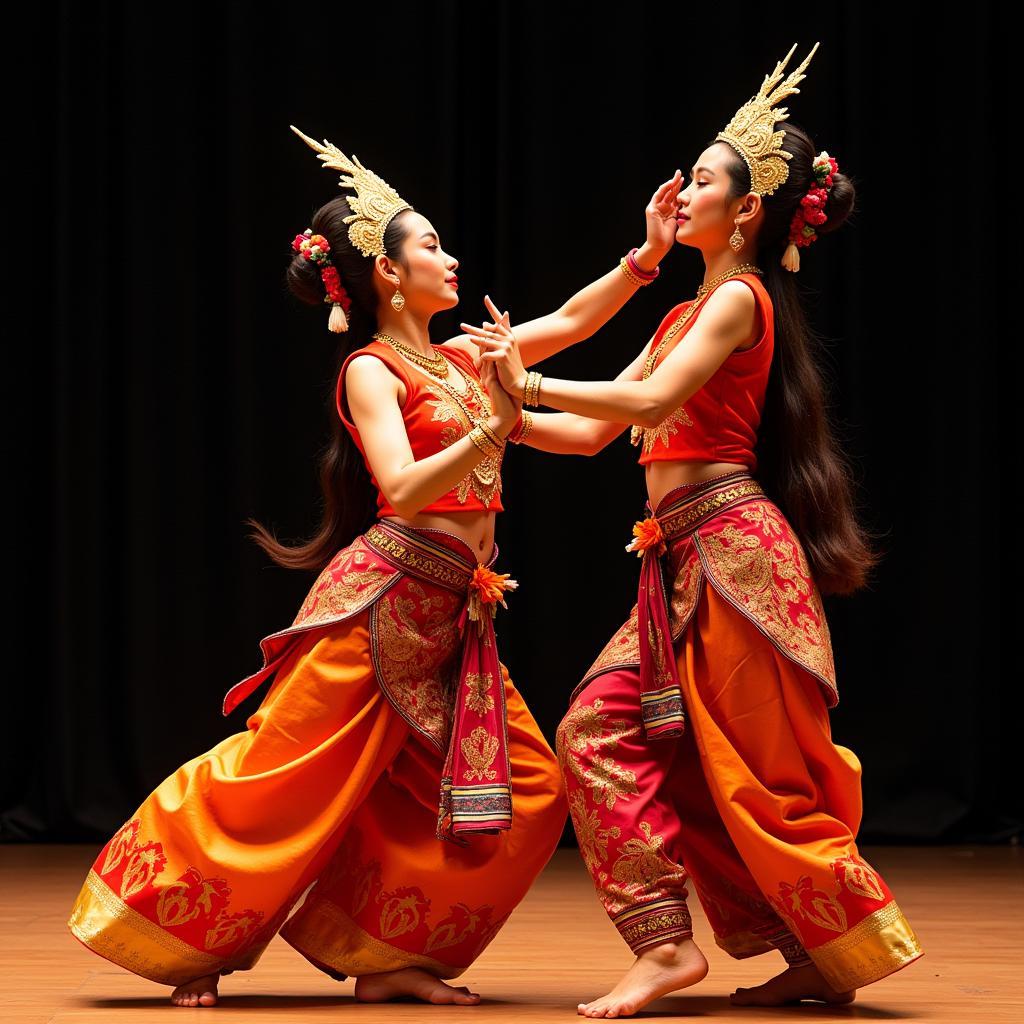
[[164, 385]]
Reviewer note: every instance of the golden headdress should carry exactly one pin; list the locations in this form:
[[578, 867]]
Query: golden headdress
[[375, 202], [751, 131]]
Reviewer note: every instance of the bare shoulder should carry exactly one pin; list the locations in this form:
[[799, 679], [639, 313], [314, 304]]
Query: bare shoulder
[[736, 296], [368, 375], [730, 308]]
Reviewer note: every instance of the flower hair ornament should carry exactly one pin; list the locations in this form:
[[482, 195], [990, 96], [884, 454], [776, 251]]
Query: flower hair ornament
[[316, 249], [811, 210]]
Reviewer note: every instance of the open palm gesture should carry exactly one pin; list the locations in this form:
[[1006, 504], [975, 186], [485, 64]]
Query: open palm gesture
[[661, 213]]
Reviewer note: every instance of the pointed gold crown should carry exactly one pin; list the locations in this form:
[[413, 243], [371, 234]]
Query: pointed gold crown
[[751, 131], [375, 202]]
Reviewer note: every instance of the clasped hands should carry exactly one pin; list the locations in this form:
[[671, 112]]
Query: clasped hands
[[497, 345]]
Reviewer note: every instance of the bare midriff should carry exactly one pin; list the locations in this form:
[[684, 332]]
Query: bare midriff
[[474, 528], [663, 476]]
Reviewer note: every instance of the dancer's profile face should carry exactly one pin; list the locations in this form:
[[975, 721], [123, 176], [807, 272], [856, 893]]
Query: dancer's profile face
[[706, 216], [430, 282]]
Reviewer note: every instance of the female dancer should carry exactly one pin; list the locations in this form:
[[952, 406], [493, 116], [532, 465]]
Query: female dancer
[[698, 744], [389, 724]]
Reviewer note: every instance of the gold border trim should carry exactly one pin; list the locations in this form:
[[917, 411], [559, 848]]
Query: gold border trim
[[873, 949], [689, 514], [105, 924], [327, 934]]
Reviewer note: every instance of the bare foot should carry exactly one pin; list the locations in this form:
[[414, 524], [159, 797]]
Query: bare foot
[[200, 992], [411, 981], [657, 971], [792, 985]]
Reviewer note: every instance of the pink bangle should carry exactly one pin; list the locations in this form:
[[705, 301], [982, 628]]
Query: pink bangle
[[647, 275]]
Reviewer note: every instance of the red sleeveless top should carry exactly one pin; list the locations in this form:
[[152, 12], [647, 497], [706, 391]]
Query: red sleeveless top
[[433, 421], [719, 423]]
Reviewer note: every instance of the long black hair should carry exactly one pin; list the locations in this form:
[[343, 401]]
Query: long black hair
[[800, 463], [349, 499]]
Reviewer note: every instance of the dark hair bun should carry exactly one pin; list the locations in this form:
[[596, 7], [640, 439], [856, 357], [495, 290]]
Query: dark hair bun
[[841, 198], [304, 282]]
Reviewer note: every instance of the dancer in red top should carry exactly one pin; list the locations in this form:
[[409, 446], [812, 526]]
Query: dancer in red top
[[697, 749], [391, 800]]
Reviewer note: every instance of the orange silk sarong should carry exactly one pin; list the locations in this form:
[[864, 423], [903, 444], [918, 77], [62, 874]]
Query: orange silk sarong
[[747, 797], [331, 793]]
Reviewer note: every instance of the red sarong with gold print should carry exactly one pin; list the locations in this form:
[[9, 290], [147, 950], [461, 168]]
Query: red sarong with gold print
[[736, 540], [752, 804]]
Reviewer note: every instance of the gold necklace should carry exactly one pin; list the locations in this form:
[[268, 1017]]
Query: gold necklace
[[436, 365], [485, 474], [703, 291]]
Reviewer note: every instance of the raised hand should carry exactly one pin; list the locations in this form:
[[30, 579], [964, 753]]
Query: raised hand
[[661, 213], [498, 345]]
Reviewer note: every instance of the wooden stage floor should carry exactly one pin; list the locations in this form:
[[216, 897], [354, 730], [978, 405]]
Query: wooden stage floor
[[557, 949]]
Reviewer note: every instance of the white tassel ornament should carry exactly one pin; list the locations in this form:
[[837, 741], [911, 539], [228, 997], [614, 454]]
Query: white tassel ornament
[[338, 321], [791, 258]]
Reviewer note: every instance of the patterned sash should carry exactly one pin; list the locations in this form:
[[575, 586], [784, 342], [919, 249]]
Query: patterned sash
[[429, 604], [476, 794], [661, 696]]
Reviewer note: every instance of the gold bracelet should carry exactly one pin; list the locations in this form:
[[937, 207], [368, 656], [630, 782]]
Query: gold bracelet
[[491, 435], [520, 435], [482, 441], [531, 389]]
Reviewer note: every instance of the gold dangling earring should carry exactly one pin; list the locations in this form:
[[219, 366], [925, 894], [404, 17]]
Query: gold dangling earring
[[398, 301], [736, 239]]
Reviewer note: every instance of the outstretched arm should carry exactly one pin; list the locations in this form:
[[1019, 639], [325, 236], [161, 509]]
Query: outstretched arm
[[409, 485], [593, 306], [566, 433], [726, 321]]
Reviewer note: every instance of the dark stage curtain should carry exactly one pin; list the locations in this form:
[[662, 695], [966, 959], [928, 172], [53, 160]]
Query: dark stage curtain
[[164, 385]]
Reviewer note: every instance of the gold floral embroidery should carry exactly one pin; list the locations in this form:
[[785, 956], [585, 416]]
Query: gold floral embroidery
[[189, 897], [641, 873], [859, 877], [403, 910], [484, 480], [609, 781], [145, 863], [229, 928], [770, 580], [458, 926], [591, 836], [642, 862], [685, 590], [666, 429], [415, 658], [479, 699], [814, 905], [585, 726], [122, 843], [766, 516], [480, 748], [349, 582]]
